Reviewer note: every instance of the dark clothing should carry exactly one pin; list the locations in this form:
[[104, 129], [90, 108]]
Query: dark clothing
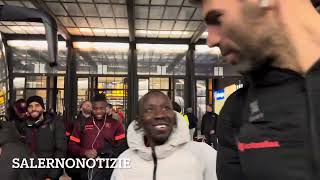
[[19, 124], [11, 148], [270, 129], [80, 119], [208, 128], [75, 173], [47, 140], [110, 142], [193, 120]]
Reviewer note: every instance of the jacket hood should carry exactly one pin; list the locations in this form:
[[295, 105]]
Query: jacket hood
[[179, 136]]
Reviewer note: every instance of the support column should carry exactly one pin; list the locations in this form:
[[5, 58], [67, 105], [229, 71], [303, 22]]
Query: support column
[[70, 85], [189, 85], [132, 84], [9, 59]]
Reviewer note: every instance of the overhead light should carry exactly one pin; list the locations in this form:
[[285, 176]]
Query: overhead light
[[204, 49], [26, 44], [162, 48], [102, 46]]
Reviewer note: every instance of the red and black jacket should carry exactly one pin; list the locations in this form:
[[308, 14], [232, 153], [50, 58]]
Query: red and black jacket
[[110, 142]]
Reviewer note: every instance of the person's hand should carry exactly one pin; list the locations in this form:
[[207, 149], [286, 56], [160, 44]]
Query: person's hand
[[47, 179], [92, 153]]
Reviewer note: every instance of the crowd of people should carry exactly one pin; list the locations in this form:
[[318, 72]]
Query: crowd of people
[[269, 129], [97, 131]]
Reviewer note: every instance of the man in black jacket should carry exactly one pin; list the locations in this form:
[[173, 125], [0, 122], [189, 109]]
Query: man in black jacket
[[45, 136], [208, 127], [270, 129], [10, 148], [193, 122]]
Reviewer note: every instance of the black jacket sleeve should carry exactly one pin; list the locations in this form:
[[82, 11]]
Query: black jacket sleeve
[[228, 161], [61, 146]]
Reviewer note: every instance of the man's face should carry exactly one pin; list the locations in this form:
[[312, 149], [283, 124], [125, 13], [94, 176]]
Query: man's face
[[21, 110], [99, 110], [35, 110], [246, 34], [86, 107], [108, 110], [158, 118]]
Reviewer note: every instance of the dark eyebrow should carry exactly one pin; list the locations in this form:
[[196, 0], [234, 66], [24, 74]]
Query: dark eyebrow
[[212, 17]]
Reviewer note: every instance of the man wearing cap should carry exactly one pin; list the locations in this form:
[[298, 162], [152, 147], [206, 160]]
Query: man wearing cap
[[45, 136], [101, 136], [18, 114]]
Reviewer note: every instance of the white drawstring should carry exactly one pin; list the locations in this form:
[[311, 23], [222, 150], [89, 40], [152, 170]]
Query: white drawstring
[[90, 170]]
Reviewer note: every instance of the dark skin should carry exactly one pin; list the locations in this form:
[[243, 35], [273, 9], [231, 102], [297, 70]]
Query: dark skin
[[158, 118], [99, 112]]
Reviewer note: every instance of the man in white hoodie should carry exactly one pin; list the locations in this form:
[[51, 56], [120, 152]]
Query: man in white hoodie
[[160, 146]]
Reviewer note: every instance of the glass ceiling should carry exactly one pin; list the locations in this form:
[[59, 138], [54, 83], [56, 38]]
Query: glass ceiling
[[153, 18]]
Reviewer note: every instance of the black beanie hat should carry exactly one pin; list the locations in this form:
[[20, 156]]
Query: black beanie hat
[[37, 99]]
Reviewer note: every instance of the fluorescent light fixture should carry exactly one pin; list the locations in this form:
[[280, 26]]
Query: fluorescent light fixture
[[204, 35], [26, 44], [102, 46], [204, 49], [162, 48]]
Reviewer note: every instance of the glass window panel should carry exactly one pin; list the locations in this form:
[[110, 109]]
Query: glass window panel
[[161, 59], [60, 101], [32, 57], [83, 90], [36, 82], [205, 60], [19, 82], [201, 106], [19, 94], [179, 91], [60, 82], [164, 83], [102, 58], [155, 83], [201, 88]]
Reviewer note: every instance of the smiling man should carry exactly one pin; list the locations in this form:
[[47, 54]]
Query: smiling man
[[160, 146], [45, 136], [270, 128]]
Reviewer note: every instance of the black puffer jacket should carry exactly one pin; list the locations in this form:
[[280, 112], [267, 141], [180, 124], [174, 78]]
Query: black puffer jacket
[[270, 129], [11, 147], [47, 140]]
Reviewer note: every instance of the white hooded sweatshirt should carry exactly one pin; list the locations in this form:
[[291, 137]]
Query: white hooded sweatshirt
[[178, 159]]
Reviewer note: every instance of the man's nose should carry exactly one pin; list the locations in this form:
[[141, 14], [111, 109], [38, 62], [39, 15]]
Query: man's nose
[[159, 113], [214, 36]]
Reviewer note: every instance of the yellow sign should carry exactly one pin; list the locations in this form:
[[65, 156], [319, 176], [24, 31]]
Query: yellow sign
[[2, 97], [116, 93]]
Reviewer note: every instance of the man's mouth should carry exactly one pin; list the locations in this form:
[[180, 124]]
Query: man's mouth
[[161, 126]]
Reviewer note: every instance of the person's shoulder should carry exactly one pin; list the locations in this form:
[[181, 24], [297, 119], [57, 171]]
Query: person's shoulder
[[201, 148], [114, 121], [127, 154]]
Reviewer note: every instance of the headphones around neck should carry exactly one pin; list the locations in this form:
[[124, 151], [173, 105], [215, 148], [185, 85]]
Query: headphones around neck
[[37, 123]]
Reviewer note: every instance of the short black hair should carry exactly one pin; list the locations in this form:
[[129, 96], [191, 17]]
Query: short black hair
[[99, 97]]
